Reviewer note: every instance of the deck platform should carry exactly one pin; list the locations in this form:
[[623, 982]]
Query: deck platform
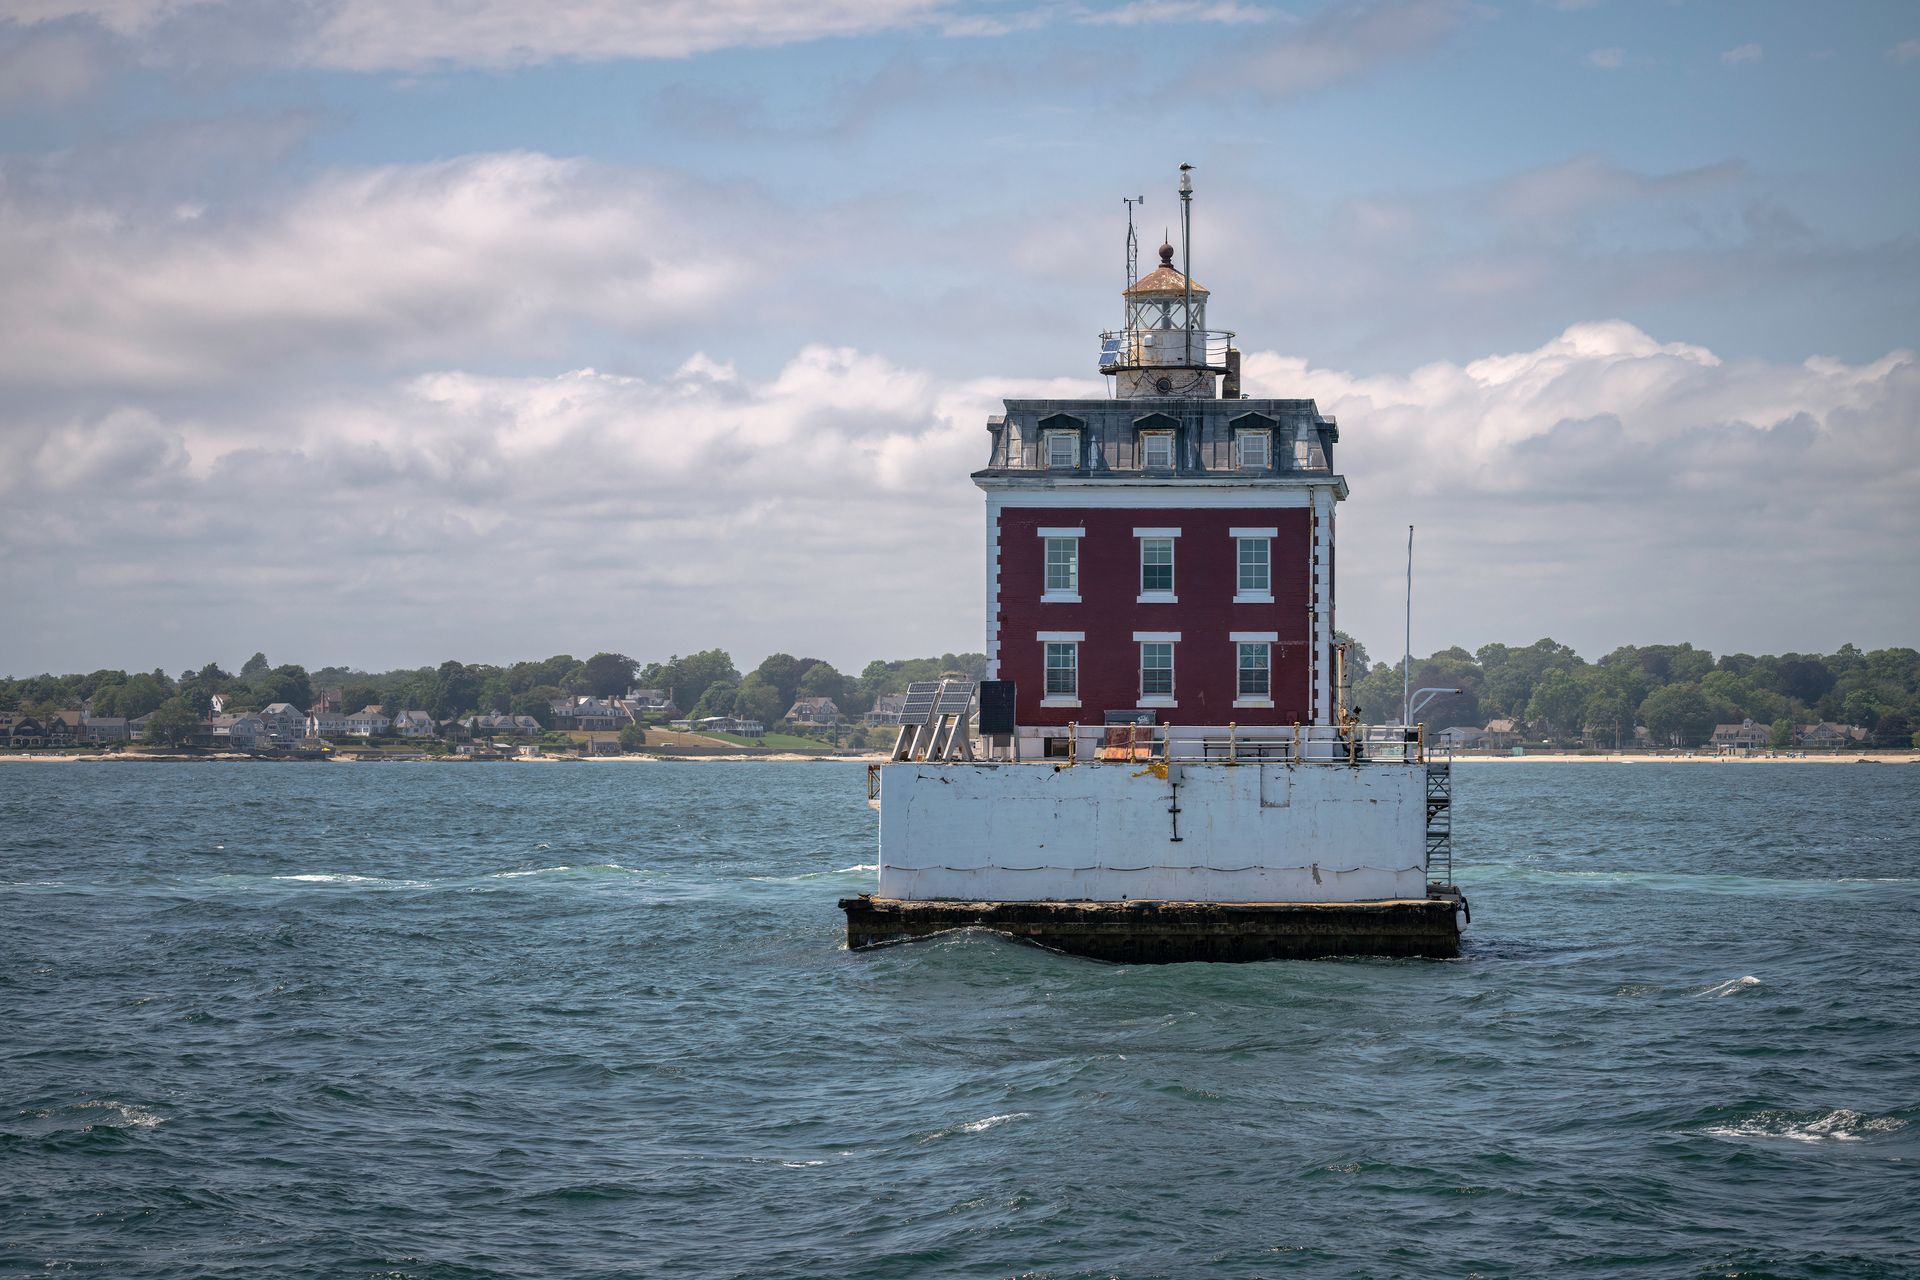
[[1147, 932]]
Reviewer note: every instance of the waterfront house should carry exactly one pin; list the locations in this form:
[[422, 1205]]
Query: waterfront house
[[1827, 735], [236, 732], [18, 729], [1462, 738], [64, 728], [658, 702], [106, 729], [329, 700], [413, 724], [813, 713], [1501, 734], [284, 722], [368, 722], [137, 727], [1738, 738], [327, 724], [592, 714], [887, 709], [730, 724]]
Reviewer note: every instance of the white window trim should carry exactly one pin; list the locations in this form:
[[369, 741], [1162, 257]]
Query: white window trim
[[1254, 637], [1253, 535], [1241, 436], [1156, 533], [1156, 597], [1238, 638], [1173, 450], [1063, 434], [1248, 533], [1247, 599], [1156, 637], [1059, 702], [1060, 597], [1060, 637], [1158, 701], [1265, 704]]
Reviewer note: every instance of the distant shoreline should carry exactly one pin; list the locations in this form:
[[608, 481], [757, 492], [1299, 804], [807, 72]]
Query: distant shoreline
[[801, 757]]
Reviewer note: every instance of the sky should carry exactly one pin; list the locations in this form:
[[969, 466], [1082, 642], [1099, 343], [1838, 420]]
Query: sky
[[373, 333]]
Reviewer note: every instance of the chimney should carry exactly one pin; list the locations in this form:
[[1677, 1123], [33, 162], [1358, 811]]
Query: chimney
[[1230, 385]]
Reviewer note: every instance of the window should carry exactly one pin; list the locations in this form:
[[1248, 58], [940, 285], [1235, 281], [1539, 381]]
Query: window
[[1156, 449], [1256, 570], [1255, 670], [1063, 449], [1156, 565], [1252, 448], [1063, 670], [1156, 670], [1063, 566]]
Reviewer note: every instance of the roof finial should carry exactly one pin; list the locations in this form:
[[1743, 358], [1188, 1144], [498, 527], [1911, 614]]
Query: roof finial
[[1166, 250]]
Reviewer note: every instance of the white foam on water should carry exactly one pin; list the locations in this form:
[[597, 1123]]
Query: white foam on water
[[1839, 1125], [1732, 987], [122, 1115], [815, 875], [342, 877], [981, 1126]]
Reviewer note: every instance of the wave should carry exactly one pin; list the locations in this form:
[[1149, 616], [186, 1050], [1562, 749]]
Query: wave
[[119, 1115], [586, 869], [1731, 987], [978, 1126], [342, 877], [815, 875], [1839, 1125]]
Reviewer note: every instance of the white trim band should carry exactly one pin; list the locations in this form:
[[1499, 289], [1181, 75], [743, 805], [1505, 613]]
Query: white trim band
[[1253, 637], [1156, 533], [1156, 637], [1061, 533], [1060, 637], [1248, 598], [1254, 533]]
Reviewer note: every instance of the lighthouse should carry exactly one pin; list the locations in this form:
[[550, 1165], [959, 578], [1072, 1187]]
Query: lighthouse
[[1164, 554], [1161, 764]]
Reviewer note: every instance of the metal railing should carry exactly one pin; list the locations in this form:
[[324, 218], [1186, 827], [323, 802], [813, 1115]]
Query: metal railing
[[1164, 349], [1233, 744]]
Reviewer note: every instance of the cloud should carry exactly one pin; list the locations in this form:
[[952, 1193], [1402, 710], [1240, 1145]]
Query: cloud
[[377, 36], [1606, 478], [395, 264], [1589, 486], [1905, 51], [1741, 54], [1341, 43], [1607, 59]]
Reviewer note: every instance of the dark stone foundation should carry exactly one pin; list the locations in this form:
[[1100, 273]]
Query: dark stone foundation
[[1171, 932]]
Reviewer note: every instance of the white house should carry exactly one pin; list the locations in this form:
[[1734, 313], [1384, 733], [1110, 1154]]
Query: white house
[[368, 721], [413, 724]]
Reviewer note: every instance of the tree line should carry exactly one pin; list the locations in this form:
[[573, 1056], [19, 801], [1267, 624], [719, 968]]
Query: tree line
[[1677, 692], [707, 683]]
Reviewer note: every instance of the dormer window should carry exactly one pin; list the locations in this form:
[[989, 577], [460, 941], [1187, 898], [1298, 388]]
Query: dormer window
[[1063, 449], [1156, 450], [1250, 450]]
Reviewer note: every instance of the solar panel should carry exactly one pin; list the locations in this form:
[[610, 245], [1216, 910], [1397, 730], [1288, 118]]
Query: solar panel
[[921, 696], [955, 697]]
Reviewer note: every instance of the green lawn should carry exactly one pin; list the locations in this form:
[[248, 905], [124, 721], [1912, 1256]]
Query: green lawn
[[778, 741]]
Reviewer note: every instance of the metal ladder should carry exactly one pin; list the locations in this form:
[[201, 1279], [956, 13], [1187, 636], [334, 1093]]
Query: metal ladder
[[1440, 821]]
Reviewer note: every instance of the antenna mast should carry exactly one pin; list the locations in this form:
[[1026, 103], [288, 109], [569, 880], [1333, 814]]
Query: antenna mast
[[1133, 248], [1186, 250], [1406, 660]]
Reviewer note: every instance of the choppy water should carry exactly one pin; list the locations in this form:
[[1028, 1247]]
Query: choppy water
[[430, 1021]]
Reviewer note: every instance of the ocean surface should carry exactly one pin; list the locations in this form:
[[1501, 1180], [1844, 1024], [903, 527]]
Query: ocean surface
[[596, 1020]]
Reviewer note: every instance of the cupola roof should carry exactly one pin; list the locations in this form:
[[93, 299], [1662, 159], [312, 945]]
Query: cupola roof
[[1163, 280]]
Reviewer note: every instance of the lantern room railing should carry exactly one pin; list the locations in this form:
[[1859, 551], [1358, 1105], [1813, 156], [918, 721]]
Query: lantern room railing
[[1164, 349]]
